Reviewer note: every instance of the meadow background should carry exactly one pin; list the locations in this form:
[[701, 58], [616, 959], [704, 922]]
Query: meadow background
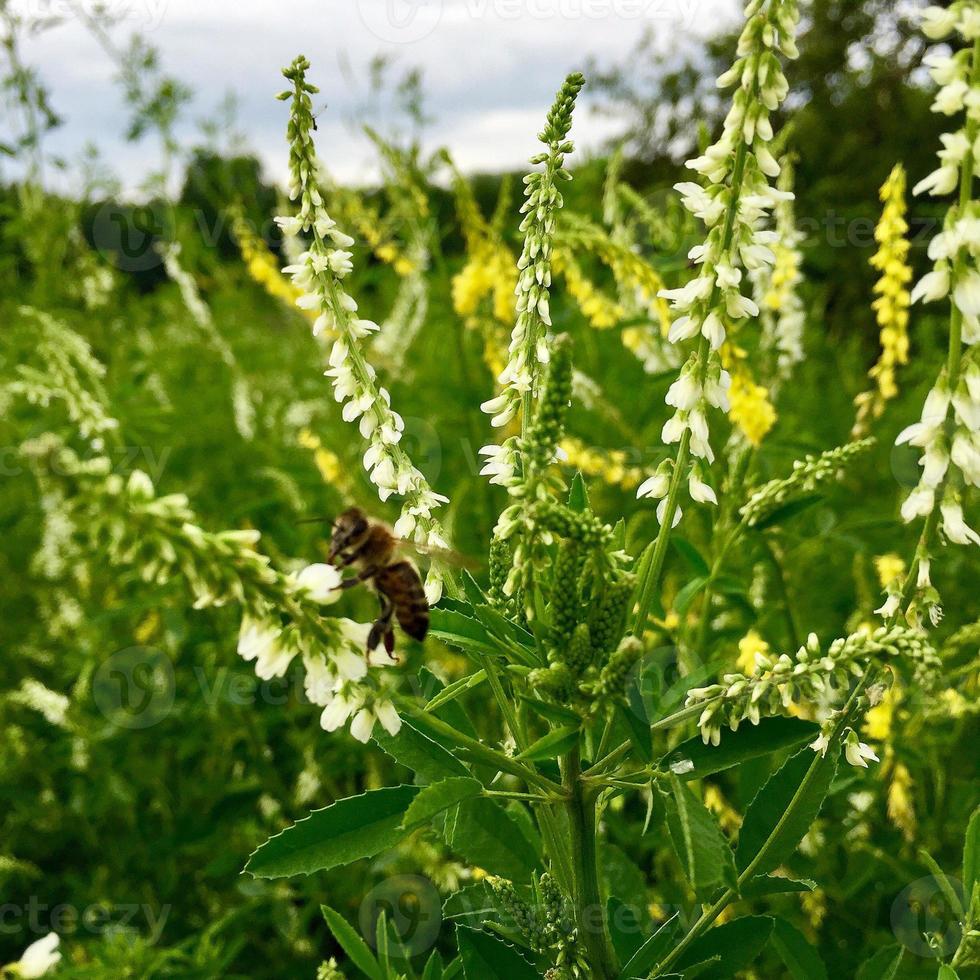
[[141, 760]]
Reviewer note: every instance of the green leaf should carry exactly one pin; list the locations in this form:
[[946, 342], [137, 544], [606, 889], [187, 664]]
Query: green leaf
[[691, 555], [736, 944], [784, 809], [472, 589], [775, 885], [782, 514], [452, 691], [433, 969], [438, 797], [634, 713], [420, 753], [686, 595], [946, 972], [801, 959], [653, 950], [578, 495], [460, 631], [971, 856], [472, 904], [350, 941], [883, 965], [944, 883], [357, 827], [701, 847], [498, 624], [550, 746], [488, 958], [485, 835], [552, 712], [625, 928], [749, 742]]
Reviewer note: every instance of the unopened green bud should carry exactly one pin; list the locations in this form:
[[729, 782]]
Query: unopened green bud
[[612, 680]]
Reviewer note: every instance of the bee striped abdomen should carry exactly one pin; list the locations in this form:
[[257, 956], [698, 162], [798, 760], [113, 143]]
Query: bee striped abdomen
[[400, 582]]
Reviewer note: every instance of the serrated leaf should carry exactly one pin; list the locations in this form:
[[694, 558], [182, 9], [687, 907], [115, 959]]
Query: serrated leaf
[[499, 625], [691, 555], [736, 944], [438, 797], [485, 835], [625, 928], [946, 972], [652, 951], [473, 903], [352, 944], [486, 958], [462, 632], [883, 965], [350, 829], [784, 809], [749, 742], [775, 885], [418, 752], [796, 951], [550, 746], [471, 587], [687, 595], [701, 847]]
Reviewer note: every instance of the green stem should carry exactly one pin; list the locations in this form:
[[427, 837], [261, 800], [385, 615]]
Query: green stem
[[479, 751], [589, 911], [732, 894]]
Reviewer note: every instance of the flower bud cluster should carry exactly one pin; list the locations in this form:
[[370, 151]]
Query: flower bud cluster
[[734, 203], [808, 474], [779, 684], [319, 274], [528, 347]]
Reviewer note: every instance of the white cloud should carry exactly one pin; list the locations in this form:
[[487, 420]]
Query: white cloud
[[491, 66]]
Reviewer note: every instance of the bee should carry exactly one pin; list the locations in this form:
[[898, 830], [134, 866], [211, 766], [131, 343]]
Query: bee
[[370, 545]]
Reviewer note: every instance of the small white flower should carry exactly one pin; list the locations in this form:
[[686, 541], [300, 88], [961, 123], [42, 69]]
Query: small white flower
[[937, 22], [955, 528], [932, 287], [322, 581], [336, 713], [681, 766], [655, 486], [918, 503], [889, 607], [821, 744], [858, 753], [700, 491], [40, 957]]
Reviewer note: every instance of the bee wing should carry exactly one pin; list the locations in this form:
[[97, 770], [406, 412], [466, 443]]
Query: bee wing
[[445, 556]]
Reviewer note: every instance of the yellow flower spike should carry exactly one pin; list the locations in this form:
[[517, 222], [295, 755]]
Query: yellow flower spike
[[890, 569], [262, 265], [600, 310], [900, 801], [751, 411], [610, 465], [750, 644], [892, 301]]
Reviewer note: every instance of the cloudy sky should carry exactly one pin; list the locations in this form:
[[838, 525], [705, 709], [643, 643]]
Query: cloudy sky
[[490, 67]]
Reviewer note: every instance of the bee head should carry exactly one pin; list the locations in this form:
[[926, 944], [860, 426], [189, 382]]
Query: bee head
[[350, 530]]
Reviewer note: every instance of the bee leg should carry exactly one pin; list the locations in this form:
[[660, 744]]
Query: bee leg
[[362, 576], [382, 625], [390, 645]]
